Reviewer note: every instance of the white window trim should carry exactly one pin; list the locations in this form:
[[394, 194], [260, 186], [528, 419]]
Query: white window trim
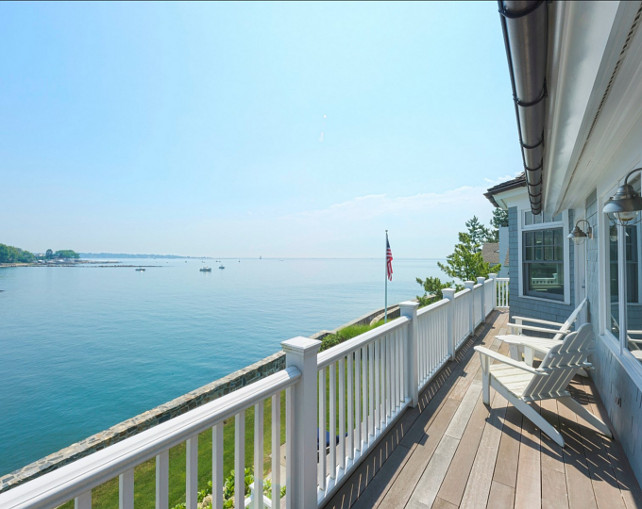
[[543, 226], [621, 352]]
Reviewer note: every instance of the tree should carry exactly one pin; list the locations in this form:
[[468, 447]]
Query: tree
[[466, 262], [478, 232], [66, 253], [433, 287], [10, 254], [500, 218], [49, 254]]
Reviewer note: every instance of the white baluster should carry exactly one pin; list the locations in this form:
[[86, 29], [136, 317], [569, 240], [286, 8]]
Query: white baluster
[[371, 389], [276, 450], [350, 446], [239, 459], [217, 466], [126, 489], [258, 455], [83, 501], [333, 420], [342, 414], [162, 480], [321, 451], [358, 396]]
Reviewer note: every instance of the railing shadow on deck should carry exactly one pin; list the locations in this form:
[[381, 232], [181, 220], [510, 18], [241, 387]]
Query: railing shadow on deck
[[587, 451]]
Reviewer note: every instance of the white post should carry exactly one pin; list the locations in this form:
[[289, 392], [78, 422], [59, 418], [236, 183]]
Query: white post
[[449, 293], [301, 353], [492, 276], [409, 309], [481, 281], [471, 286]]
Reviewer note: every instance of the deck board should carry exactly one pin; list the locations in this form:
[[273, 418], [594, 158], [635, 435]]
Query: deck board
[[454, 451]]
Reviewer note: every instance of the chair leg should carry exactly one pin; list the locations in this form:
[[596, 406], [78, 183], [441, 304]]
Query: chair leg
[[485, 366], [515, 350], [538, 420], [530, 413], [585, 414]]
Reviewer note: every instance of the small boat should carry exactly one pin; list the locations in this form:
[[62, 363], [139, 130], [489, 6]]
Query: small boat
[[221, 267], [140, 269], [205, 269]]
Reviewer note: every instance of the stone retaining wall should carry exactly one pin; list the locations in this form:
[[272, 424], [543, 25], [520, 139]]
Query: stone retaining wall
[[166, 411]]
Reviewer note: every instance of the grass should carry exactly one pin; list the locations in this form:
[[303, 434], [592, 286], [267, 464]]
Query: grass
[[105, 496]]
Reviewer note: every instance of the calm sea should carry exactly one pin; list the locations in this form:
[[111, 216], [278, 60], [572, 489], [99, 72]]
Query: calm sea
[[84, 348]]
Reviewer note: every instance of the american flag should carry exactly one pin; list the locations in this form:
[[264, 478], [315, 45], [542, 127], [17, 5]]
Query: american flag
[[388, 260]]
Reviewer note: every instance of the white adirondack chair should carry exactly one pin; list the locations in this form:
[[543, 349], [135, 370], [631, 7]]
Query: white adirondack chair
[[532, 347], [521, 384]]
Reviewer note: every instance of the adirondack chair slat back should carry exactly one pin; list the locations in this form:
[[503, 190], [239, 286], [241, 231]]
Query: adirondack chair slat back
[[566, 326], [562, 362]]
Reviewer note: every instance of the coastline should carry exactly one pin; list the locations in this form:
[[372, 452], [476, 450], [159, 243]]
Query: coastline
[[74, 263]]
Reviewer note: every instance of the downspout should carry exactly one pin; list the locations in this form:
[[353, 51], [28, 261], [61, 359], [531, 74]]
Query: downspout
[[525, 27]]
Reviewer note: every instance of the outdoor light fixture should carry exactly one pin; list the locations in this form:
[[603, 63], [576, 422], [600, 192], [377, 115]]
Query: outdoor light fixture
[[624, 205], [578, 235]]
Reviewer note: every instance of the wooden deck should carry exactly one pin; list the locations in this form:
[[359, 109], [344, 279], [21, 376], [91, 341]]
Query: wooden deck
[[453, 451]]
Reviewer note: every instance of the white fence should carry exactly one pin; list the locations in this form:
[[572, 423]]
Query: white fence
[[339, 403], [501, 290]]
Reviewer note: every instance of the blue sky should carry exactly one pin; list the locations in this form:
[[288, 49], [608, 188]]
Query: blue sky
[[247, 129]]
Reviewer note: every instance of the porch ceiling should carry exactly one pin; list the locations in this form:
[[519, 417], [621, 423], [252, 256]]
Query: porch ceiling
[[592, 67]]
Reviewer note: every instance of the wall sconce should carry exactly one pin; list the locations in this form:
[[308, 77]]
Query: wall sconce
[[624, 205], [578, 235]]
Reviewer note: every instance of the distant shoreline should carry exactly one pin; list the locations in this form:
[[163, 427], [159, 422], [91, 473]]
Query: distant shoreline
[[75, 263]]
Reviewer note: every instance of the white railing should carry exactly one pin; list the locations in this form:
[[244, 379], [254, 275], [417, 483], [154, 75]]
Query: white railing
[[501, 290], [489, 293], [361, 390], [76, 480], [434, 339], [339, 404]]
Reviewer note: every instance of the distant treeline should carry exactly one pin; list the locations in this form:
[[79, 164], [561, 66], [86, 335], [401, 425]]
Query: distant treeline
[[10, 254]]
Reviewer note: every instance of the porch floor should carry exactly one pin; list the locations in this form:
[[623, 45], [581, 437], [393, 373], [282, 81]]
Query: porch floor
[[453, 451]]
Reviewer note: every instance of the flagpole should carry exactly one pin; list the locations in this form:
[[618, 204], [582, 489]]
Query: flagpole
[[385, 273]]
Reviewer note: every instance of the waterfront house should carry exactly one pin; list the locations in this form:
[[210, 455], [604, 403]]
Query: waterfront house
[[405, 400], [576, 71]]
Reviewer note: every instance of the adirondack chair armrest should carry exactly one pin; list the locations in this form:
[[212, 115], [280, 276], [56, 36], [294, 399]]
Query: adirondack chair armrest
[[507, 360], [537, 320], [536, 329]]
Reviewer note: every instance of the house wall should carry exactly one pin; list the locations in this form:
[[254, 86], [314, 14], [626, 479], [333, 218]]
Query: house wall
[[529, 306], [504, 237], [620, 394]]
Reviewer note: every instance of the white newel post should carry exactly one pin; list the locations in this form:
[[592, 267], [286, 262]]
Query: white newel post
[[471, 286], [449, 293], [409, 309], [301, 481], [492, 276], [481, 281]]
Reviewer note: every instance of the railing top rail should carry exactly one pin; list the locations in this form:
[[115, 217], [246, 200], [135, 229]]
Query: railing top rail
[[337, 352], [478, 285], [462, 292], [432, 307], [502, 279], [69, 481]]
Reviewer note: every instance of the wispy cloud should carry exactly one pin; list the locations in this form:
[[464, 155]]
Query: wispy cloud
[[378, 205]]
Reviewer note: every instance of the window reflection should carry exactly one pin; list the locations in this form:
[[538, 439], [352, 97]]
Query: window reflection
[[632, 279]]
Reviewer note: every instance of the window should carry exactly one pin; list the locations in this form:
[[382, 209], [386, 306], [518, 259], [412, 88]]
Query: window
[[543, 263], [624, 317]]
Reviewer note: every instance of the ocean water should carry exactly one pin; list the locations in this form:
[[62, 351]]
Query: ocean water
[[83, 348]]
